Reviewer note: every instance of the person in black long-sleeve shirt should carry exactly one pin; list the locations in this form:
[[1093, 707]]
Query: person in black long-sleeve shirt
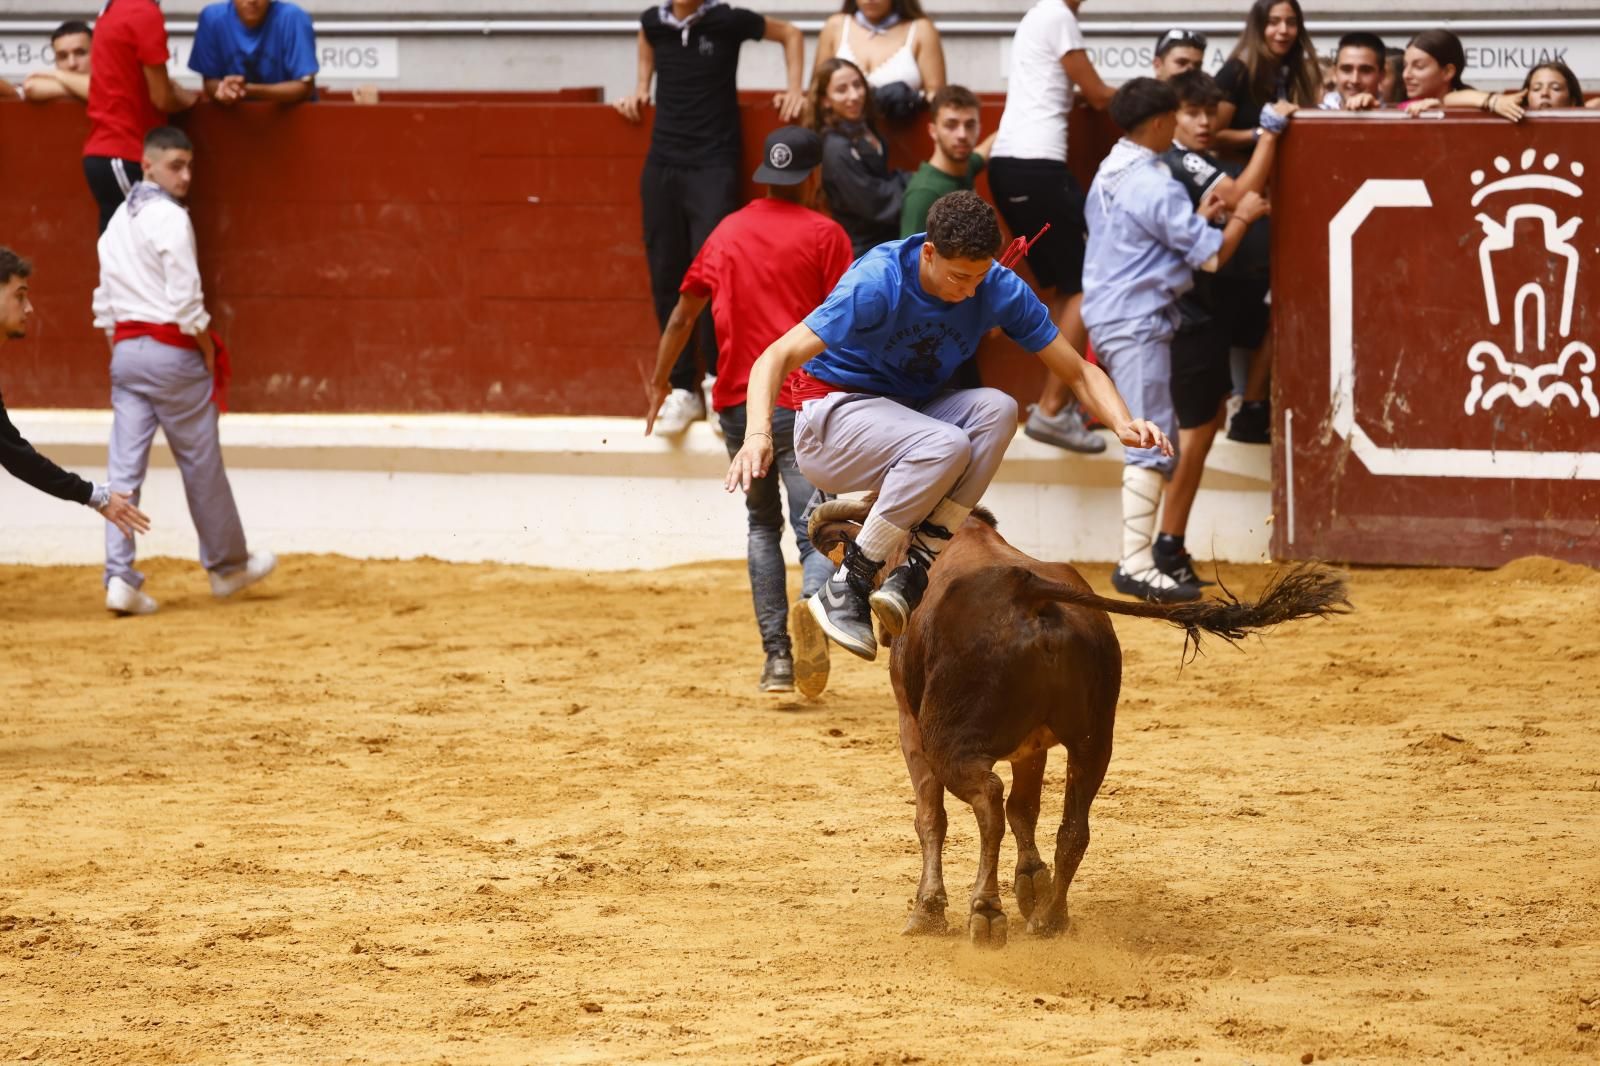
[[864, 195], [17, 456]]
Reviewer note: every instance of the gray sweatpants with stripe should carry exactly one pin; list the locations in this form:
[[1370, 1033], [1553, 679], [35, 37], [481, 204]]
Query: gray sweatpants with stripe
[[913, 453], [154, 384]]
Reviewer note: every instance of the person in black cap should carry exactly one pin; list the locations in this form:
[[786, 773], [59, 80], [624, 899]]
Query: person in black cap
[[763, 269]]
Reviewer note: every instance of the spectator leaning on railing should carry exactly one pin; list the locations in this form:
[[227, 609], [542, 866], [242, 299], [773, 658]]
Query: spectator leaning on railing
[[895, 45], [1274, 60], [1554, 85], [1434, 76], [256, 50], [691, 177], [1358, 74], [1032, 187], [864, 195], [70, 46], [129, 95]]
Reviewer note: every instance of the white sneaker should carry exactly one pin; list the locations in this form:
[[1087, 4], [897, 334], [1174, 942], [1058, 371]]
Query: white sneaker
[[708, 383], [679, 409], [259, 566], [123, 598]]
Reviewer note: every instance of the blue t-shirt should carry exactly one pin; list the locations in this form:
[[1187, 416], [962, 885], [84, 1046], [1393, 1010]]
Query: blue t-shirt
[[886, 335], [282, 48]]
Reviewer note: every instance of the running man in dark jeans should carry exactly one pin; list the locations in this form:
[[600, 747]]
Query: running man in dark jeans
[[763, 269], [691, 176], [17, 456]]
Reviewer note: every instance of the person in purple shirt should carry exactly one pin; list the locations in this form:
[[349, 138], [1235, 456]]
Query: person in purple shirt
[[877, 411], [256, 50]]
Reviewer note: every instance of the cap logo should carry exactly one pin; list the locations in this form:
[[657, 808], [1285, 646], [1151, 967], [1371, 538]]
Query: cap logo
[[780, 156]]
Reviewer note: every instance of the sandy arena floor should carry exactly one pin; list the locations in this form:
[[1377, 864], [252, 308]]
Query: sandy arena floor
[[415, 812]]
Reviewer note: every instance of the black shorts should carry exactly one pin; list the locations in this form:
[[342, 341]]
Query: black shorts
[[1201, 374], [1242, 304], [1031, 192]]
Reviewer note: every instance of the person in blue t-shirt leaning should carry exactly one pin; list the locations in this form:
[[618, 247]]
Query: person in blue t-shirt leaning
[[256, 50], [876, 412]]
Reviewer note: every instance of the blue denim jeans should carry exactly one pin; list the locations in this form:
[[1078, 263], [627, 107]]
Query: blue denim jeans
[[768, 575]]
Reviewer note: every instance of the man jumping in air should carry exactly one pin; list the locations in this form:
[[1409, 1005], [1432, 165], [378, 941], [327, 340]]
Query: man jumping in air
[[875, 412]]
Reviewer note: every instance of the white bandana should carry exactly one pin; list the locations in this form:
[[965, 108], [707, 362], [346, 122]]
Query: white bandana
[[684, 24], [875, 28]]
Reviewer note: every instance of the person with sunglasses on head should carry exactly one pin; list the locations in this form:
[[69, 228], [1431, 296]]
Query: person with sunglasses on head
[[1179, 50]]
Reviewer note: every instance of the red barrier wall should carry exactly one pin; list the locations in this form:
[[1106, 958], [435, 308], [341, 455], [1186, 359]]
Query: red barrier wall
[[1421, 416], [477, 255]]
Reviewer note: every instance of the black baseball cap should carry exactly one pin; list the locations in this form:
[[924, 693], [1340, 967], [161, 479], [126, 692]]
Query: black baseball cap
[[789, 156], [1179, 39]]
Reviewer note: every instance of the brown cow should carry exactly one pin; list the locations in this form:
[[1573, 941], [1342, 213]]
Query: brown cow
[[1005, 658]]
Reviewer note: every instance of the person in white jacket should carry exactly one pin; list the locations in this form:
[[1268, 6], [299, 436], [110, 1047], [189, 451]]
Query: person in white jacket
[[152, 309]]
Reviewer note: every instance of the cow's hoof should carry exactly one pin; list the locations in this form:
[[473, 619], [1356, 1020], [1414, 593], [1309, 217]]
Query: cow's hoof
[[987, 930], [1032, 890], [925, 922], [1047, 925]]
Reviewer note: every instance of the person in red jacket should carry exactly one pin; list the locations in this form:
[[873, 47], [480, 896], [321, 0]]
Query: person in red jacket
[[17, 456], [762, 270], [130, 94]]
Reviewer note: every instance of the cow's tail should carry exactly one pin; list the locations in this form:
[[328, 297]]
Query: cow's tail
[[1306, 590]]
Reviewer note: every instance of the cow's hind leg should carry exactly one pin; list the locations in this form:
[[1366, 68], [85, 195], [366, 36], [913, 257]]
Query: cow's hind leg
[[927, 914], [1022, 813], [1086, 768], [973, 780]]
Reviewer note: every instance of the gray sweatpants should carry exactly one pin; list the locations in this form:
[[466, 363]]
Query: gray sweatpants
[[1137, 353], [154, 384], [914, 454]]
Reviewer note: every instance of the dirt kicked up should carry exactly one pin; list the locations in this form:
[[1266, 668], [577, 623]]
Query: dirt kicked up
[[415, 812]]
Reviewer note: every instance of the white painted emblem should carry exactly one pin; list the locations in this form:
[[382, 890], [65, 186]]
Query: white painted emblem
[[780, 156], [1560, 371], [1538, 375]]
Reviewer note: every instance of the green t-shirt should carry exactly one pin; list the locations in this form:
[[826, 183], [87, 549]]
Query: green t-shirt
[[927, 185]]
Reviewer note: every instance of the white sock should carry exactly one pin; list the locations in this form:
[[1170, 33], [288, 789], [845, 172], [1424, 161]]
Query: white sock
[[948, 515], [1141, 500], [879, 539]]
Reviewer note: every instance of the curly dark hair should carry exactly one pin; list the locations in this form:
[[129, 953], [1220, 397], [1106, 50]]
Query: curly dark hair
[[13, 265], [962, 225]]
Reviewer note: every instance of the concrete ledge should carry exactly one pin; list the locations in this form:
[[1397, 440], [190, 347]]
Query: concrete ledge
[[585, 493]]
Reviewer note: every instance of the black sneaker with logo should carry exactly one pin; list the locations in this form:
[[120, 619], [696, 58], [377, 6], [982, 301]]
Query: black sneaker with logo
[[778, 674], [1178, 565], [841, 608], [1252, 424], [1153, 587]]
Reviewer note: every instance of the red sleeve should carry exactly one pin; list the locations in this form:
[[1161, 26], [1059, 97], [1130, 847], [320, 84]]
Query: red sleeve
[[836, 255], [150, 36], [701, 277]]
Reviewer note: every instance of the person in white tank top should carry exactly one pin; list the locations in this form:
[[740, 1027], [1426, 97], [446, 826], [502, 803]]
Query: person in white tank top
[[869, 34]]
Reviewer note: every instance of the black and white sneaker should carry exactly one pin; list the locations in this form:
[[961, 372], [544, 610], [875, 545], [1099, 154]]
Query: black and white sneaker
[[1179, 566], [1153, 586], [903, 589], [778, 674], [841, 608]]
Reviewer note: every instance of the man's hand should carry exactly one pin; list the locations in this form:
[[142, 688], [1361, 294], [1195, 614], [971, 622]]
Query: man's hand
[[230, 90], [751, 463], [789, 105], [1362, 102], [631, 107], [1251, 206], [1143, 434], [655, 394], [208, 351], [1212, 207], [121, 513]]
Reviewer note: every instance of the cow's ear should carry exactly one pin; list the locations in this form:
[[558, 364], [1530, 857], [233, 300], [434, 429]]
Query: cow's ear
[[829, 538]]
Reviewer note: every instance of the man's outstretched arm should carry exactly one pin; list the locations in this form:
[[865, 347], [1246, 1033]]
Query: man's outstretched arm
[[1096, 392], [680, 325], [783, 357]]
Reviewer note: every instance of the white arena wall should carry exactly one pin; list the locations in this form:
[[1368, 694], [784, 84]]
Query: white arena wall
[[487, 45], [571, 493]]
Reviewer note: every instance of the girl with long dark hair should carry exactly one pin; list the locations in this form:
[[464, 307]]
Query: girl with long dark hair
[[1273, 61], [864, 195], [1436, 65]]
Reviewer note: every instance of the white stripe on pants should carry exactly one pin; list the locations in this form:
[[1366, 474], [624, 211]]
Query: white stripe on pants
[[913, 454], [154, 384]]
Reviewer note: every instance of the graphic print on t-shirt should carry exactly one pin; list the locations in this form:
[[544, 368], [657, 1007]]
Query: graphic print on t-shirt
[[914, 351]]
